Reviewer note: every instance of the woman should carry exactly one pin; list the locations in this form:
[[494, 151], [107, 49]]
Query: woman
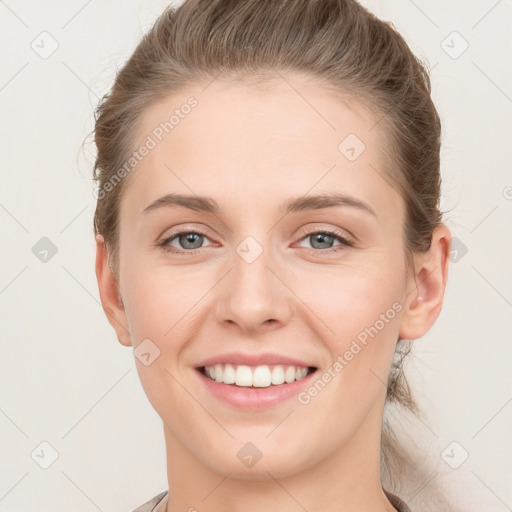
[[268, 237]]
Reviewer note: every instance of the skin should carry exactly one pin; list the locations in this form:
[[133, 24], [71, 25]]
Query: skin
[[251, 148]]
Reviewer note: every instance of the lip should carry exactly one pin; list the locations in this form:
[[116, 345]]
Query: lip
[[254, 399], [238, 358]]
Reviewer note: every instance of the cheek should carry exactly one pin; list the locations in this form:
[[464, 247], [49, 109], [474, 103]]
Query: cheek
[[160, 308], [351, 298], [159, 300], [362, 308]]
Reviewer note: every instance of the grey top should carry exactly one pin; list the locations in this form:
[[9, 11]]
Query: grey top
[[149, 506], [398, 503]]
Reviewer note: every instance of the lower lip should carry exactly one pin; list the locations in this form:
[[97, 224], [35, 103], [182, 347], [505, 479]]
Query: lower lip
[[255, 398]]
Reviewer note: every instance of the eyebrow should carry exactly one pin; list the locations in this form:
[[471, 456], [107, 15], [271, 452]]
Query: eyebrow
[[297, 204]]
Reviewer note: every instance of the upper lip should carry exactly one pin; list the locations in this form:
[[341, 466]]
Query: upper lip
[[237, 358]]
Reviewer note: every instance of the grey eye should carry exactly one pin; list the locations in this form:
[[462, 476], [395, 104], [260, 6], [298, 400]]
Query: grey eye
[[190, 240], [324, 240]]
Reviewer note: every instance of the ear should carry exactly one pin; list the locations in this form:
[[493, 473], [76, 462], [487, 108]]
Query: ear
[[426, 286], [109, 294]]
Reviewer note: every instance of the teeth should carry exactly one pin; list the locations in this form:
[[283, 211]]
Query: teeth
[[258, 377], [243, 376], [261, 377], [289, 374], [229, 376], [277, 375]]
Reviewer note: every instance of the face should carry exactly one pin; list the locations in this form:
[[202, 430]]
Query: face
[[268, 279]]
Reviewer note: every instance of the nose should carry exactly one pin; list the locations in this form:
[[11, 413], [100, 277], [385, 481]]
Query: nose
[[254, 296]]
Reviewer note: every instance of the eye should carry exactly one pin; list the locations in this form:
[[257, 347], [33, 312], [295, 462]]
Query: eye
[[189, 240], [322, 240]]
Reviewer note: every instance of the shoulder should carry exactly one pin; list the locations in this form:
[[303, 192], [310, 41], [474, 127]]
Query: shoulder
[[398, 503], [150, 505]]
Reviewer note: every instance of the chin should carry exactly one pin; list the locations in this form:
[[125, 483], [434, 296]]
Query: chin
[[260, 460]]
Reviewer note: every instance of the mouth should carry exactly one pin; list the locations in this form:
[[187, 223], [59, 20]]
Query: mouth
[[262, 376], [253, 383]]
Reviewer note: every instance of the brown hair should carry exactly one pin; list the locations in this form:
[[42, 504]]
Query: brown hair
[[338, 42]]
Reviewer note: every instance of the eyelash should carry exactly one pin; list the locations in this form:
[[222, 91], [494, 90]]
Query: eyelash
[[344, 241]]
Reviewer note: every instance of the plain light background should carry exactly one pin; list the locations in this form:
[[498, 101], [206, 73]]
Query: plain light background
[[64, 378]]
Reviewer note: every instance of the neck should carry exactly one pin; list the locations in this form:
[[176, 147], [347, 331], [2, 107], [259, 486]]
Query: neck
[[347, 480]]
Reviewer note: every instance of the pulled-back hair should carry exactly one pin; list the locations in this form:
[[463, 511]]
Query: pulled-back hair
[[337, 42]]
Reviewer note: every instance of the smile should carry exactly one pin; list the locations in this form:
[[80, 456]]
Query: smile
[[262, 376]]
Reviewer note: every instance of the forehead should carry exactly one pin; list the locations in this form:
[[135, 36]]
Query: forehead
[[268, 140]]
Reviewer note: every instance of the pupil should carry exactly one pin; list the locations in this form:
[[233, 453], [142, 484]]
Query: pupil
[[322, 238], [190, 238]]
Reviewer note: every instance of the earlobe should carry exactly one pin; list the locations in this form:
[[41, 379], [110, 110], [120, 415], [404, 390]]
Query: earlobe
[[109, 293], [426, 287]]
